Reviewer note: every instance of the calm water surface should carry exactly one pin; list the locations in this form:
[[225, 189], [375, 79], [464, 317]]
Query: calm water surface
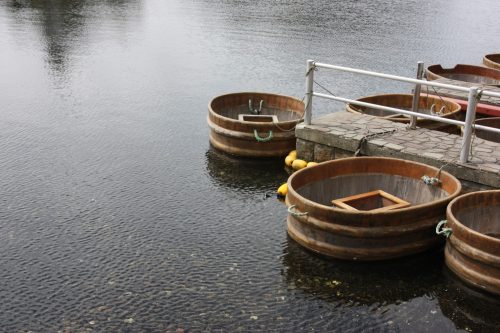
[[117, 216]]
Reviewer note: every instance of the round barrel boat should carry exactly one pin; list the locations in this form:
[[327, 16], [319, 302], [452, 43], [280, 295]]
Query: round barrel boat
[[368, 208], [492, 60], [426, 105], [486, 135], [254, 124], [467, 73], [473, 249]]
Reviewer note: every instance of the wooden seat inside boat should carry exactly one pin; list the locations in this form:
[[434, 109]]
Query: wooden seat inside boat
[[374, 201], [260, 118]]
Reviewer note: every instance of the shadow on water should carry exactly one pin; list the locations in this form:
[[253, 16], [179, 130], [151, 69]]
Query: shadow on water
[[237, 173], [65, 23], [468, 308], [366, 283], [381, 284]]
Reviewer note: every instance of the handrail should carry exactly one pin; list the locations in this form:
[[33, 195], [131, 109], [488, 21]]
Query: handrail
[[405, 112], [475, 94], [403, 79]]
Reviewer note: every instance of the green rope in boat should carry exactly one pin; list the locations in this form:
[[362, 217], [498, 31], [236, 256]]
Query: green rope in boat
[[440, 230], [260, 139], [431, 180]]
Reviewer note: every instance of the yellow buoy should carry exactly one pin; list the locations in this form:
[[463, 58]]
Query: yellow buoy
[[289, 160], [299, 164], [282, 190], [310, 164], [293, 153]]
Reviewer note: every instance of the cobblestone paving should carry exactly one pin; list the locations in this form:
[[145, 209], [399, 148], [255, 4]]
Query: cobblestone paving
[[344, 131]]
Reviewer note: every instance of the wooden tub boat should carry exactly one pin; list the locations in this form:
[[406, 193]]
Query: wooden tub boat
[[491, 122], [468, 73], [254, 124], [427, 105], [492, 60], [371, 230], [473, 250], [481, 108]]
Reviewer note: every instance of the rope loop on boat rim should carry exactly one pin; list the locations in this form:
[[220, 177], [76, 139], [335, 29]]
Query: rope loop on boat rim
[[252, 110], [431, 180], [441, 230], [295, 214], [261, 139]]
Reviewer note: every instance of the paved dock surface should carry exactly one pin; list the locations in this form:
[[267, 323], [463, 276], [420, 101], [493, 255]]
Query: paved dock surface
[[339, 135]]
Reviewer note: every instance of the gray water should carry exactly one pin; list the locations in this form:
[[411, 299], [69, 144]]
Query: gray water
[[117, 216]]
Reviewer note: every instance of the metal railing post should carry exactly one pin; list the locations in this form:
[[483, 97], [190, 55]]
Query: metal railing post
[[469, 119], [416, 95], [309, 91]]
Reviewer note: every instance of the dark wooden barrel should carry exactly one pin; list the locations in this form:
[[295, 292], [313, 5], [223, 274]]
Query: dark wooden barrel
[[473, 250], [451, 109], [492, 60], [236, 130], [491, 122], [363, 235], [467, 73]]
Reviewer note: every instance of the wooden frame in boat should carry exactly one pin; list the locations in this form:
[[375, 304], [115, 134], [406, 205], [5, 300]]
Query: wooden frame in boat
[[260, 118], [388, 201]]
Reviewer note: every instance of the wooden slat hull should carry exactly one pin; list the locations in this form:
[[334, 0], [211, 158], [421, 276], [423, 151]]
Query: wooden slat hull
[[492, 60], [490, 136], [484, 109], [468, 73], [473, 250], [404, 101], [363, 235], [237, 137]]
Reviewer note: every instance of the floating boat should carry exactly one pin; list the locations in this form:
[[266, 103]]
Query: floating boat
[[482, 108], [492, 60], [473, 249], [377, 226], [427, 105], [486, 135], [254, 124], [468, 73]]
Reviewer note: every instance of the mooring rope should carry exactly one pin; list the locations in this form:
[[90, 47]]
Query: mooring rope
[[261, 139], [441, 230], [365, 138]]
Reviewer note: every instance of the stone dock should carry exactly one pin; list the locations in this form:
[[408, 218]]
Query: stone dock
[[341, 134]]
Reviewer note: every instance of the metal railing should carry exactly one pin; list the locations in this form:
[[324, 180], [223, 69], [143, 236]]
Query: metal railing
[[474, 96]]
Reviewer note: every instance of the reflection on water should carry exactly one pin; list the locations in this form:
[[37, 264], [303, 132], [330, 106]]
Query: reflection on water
[[244, 174], [470, 309], [64, 23], [382, 283], [401, 284]]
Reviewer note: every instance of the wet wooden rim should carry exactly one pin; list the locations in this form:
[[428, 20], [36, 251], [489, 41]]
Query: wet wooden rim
[[470, 236], [371, 164], [434, 72], [257, 124], [492, 60]]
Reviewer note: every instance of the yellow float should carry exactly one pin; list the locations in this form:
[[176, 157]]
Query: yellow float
[[299, 164]]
